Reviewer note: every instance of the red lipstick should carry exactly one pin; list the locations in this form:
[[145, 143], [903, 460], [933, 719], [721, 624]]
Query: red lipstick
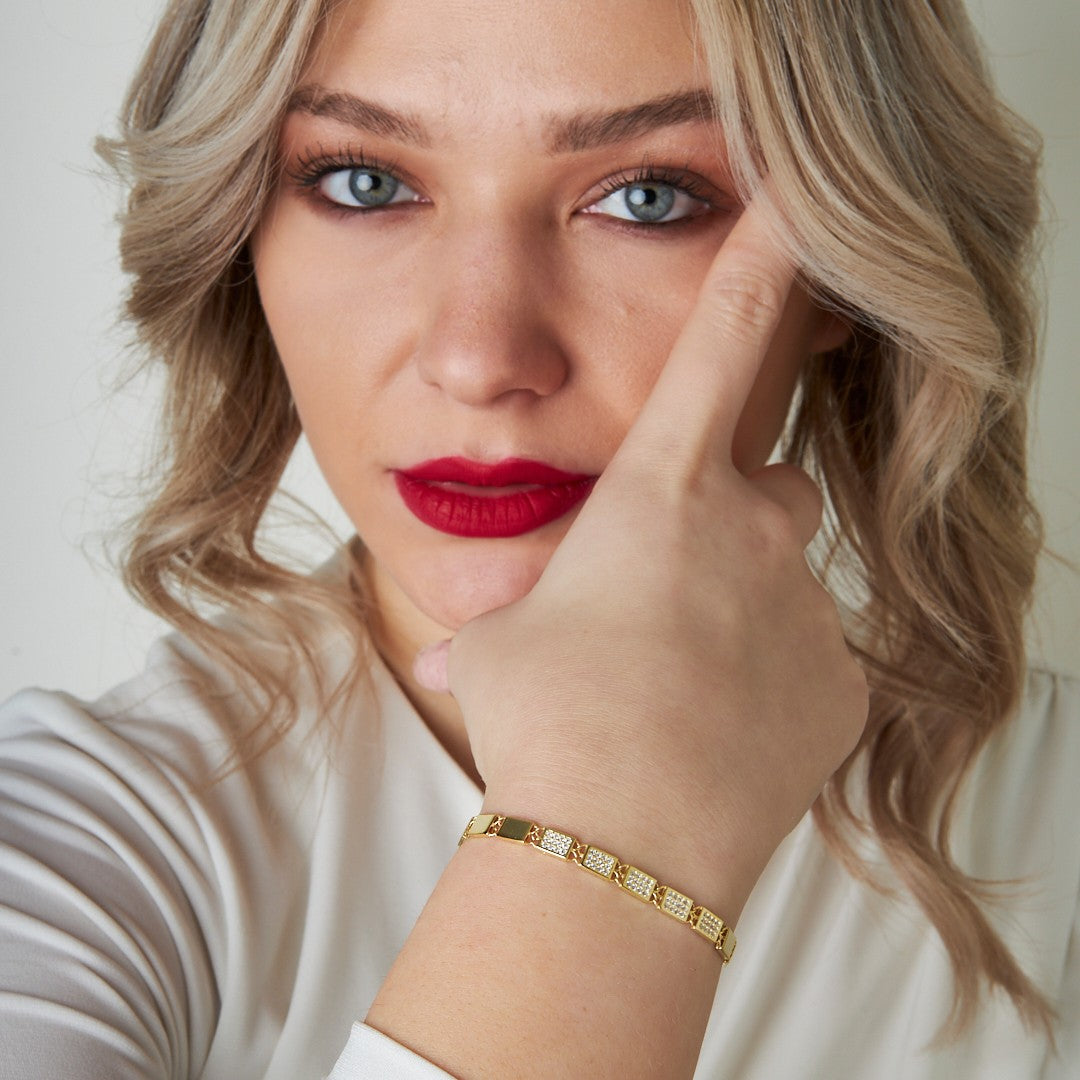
[[507, 498]]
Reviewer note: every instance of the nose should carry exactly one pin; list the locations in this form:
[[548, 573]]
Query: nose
[[489, 333]]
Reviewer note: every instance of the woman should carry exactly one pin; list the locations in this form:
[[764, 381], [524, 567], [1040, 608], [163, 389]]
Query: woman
[[540, 283]]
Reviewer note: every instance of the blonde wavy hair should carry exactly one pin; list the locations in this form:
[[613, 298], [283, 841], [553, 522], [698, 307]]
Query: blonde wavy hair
[[910, 195]]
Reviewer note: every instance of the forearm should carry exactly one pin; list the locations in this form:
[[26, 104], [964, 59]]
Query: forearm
[[676, 679], [523, 965]]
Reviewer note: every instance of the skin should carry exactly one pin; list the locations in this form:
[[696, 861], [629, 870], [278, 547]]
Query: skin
[[658, 672], [508, 311]]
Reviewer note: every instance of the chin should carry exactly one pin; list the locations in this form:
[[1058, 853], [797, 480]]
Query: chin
[[452, 590]]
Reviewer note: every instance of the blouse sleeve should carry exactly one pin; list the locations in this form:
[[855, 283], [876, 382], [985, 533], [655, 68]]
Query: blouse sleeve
[[103, 969], [371, 1055], [1063, 1060], [1062, 1064]]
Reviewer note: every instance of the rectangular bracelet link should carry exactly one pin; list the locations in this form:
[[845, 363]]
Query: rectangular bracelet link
[[556, 843], [726, 943], [515, 829], [604, 864], [638, 883], [477, 827], [676, 904], [708, 924], [600, 862]]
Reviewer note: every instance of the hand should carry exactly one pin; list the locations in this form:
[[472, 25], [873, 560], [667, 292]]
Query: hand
[[677, 675]]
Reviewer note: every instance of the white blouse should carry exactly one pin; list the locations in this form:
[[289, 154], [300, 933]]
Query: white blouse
[[159, 921]]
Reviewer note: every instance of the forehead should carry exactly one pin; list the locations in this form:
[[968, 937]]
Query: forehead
[[507, 61]]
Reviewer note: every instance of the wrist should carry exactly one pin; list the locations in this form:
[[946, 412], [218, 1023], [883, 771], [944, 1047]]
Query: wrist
[[551, 949], [671, 845], [608, 867]]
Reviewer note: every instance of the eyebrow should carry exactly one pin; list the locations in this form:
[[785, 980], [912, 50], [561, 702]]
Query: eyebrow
[[588, 130], [358, 113], [564, 134]]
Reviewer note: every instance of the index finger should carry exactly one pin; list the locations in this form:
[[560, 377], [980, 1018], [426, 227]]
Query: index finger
[[701, 391]]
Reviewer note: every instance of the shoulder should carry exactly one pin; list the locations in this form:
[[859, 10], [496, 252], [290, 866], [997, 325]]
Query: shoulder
[[188, 706], [185, 708], [1051, 699], [1032, 759], [129, 833], [161, 757], [178, 691], [180, 715], [1016, 817]]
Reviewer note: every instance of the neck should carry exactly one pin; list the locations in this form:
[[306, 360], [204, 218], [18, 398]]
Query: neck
[[399, 632]]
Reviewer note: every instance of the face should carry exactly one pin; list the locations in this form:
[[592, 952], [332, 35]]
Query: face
[[493, 222]]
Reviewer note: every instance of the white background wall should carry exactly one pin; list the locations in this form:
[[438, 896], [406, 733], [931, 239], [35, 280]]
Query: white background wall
[[68, 444]]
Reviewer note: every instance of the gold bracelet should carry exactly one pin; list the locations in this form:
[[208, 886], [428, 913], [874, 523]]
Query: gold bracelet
[[605, 865]]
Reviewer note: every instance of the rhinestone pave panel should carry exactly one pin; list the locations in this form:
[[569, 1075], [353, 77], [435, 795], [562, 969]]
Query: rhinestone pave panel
[[639, 883], [555, 842], [675, 904], [709, 925], [599, 862]]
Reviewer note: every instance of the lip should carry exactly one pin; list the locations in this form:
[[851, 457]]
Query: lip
[[541, 494]]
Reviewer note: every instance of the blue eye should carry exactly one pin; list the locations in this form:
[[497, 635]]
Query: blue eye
[[364, 188], [649, 202]]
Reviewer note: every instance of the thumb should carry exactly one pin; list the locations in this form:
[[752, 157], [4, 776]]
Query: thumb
[[430, 667]]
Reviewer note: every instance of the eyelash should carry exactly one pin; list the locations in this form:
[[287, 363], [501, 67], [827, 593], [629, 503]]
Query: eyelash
[[657, 174], [680, 179], [310, 170]]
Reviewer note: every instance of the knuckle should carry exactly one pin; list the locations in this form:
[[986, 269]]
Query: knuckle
[[803, 486], [775, 531], [747, 304], [791, 489]]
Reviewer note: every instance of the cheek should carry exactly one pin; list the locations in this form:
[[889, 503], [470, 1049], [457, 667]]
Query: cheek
[[345, 320], [621, 312], [337, 323], [636, 320]]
